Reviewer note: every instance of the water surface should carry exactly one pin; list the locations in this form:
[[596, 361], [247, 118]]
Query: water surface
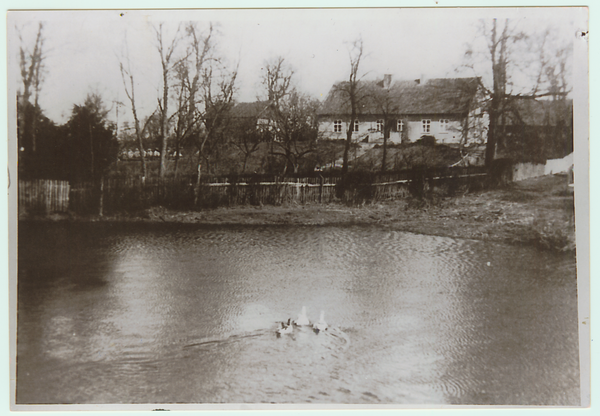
[[138, 313]]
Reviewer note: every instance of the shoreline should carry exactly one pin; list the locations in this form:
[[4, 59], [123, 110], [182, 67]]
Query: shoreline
[[536, 211]]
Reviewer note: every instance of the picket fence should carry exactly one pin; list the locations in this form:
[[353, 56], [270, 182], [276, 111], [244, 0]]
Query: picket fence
[[44, 195], [132, 194]]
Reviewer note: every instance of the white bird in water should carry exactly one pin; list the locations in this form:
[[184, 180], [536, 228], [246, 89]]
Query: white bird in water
[[285, 328], [302, 318], [321, 325]]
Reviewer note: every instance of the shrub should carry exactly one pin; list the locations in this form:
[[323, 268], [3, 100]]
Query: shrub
[[356, 187]]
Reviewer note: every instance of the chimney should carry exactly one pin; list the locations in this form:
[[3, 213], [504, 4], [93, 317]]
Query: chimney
[[387, 81]]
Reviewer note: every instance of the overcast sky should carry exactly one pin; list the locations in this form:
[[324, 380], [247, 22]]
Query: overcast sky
[[84, 47]]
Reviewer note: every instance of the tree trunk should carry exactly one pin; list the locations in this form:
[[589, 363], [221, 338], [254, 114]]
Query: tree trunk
[[164, 128], [101, 204], [91, 148], [246, 156], [386, 136], [33, 128], [176, 157], [347, 147]]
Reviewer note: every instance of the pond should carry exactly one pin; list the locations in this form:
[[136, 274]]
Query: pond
[[162, 313]]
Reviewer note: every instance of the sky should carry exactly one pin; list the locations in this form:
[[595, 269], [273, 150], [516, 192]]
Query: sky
[[84, 48]]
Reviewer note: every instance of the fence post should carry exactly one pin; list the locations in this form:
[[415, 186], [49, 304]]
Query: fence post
[[320, 189], [101, 205]]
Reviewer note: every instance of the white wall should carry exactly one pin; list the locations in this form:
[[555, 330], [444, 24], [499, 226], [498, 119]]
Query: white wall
[[415, 131], [558, 165], [522, 171]]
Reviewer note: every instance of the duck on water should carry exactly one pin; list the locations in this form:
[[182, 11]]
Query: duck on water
[[321, 325], [302, 318], [288, 327]]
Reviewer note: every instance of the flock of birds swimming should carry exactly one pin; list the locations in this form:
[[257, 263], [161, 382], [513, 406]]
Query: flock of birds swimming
[[288, 327]]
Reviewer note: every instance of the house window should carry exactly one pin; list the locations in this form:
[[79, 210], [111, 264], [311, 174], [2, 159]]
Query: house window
[[400, 126], [426, 126], [379, 125], [444, 125], [337, 126], [355, 128]]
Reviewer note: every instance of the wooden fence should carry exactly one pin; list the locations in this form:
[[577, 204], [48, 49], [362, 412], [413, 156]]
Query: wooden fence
[[133, 194], [44, 196], [268, 192]]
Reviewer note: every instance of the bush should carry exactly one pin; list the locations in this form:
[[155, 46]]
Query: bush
[[418, 184], [356, 187], [426, 140]]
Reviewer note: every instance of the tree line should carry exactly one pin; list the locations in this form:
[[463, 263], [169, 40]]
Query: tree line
[[195, 119]]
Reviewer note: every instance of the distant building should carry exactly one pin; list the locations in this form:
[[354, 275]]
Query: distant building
[[258, 112], [535, 130], [441, 107]]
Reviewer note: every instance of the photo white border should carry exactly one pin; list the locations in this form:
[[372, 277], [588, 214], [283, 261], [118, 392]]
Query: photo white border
[[584, 201]]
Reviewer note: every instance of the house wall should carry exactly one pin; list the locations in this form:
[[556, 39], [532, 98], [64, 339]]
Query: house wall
[[367, 129], [451, 135]]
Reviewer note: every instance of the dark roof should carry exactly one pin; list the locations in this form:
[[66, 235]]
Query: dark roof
[[436, 96], [256, 109], [541, 112]]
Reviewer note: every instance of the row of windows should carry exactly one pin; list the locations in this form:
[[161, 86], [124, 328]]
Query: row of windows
[[426, 125]]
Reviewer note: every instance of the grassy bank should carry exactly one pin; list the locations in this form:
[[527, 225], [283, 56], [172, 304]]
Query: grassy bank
[[537, 211]]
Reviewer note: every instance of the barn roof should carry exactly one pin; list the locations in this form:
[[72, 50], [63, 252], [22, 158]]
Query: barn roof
[[541, 112], [250, 110], [435, 96]]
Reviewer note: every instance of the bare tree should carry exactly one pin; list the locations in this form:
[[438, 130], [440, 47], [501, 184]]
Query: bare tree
[[129, 85], [387, 105], [292, 116], [509, 52], [352, 93], [296, 130], [31, 65], [217, 91], [277, 80], [247, 136], [166, 56], [189, 78]]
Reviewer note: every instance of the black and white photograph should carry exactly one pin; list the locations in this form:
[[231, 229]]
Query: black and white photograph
[[299, 208]]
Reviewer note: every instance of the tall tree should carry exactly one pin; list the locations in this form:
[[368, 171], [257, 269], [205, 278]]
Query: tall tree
[[247, 136], [386, 103], [92, 145], [506, 49], [129, 85], [189, 76], [352, 91], [166, 59], [218, 88], [292, 115], [31, 64]]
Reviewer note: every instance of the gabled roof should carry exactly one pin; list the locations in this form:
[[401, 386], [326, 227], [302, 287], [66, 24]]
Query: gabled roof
[[256, 109], [541, 112], [436, 96]]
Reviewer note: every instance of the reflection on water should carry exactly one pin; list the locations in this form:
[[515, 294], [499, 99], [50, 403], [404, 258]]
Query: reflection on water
[[112, 313]]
